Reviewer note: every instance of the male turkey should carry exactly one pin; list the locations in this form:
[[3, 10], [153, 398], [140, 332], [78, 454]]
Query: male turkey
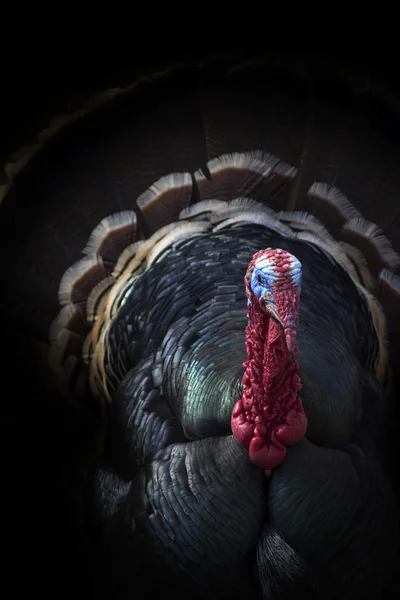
[[230, 320]]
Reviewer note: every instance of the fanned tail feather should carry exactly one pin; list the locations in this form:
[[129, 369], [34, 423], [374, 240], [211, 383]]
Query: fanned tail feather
[[255, 174], [234, 188], [161, 204], [112, 236], [372, 242], [328, 204]]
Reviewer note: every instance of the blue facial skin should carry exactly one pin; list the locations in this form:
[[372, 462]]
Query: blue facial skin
[[262, 280]]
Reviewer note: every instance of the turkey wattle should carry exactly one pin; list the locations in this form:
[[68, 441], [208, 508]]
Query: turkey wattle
[[200, 373], [270, 414]]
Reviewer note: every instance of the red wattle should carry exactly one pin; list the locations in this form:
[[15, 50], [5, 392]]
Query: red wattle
[[294, 429], [268, 453], [242, 430], [265, 454], [270, 415]]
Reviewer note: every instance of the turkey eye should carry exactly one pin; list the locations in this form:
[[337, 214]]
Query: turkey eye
[[259, 279]]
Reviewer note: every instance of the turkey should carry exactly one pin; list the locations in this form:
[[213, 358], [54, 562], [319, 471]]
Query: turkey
[[230, 324]]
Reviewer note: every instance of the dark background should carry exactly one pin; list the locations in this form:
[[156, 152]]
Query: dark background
[[42, 539]]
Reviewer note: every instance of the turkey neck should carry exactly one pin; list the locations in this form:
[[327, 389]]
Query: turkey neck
[[271, 381], [270, 414]]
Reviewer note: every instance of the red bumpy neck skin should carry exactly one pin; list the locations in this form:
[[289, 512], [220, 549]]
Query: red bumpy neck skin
[[270, 415]]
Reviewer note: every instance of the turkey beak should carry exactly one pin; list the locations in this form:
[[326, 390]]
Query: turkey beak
[[273, 311], [285, 310]]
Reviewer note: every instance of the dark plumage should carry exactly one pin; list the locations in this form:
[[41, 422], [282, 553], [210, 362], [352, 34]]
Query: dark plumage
[[154, 322], [167, 350]]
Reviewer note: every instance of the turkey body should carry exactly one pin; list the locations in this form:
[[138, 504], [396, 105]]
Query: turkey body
[[158, 311], [199, 506]]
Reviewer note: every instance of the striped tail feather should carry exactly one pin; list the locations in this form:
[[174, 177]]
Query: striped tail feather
[[248, 187], [254, 174]]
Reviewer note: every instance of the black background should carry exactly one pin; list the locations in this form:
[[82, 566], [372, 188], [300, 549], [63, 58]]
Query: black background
[[40, 532]]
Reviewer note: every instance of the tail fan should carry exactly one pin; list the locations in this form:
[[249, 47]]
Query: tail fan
[[93, 290], [147, 152]]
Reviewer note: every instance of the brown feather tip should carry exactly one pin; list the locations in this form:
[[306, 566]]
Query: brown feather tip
[[372, 242], [256, 174], [256, 218], [389, 295], [379, 320], [112, 235], [165, 199], [98, 293], [126, 256], [361, 265], [328, 204], [302, 221], [79, 280], [240, 204], [249, 211], [67, 335]]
